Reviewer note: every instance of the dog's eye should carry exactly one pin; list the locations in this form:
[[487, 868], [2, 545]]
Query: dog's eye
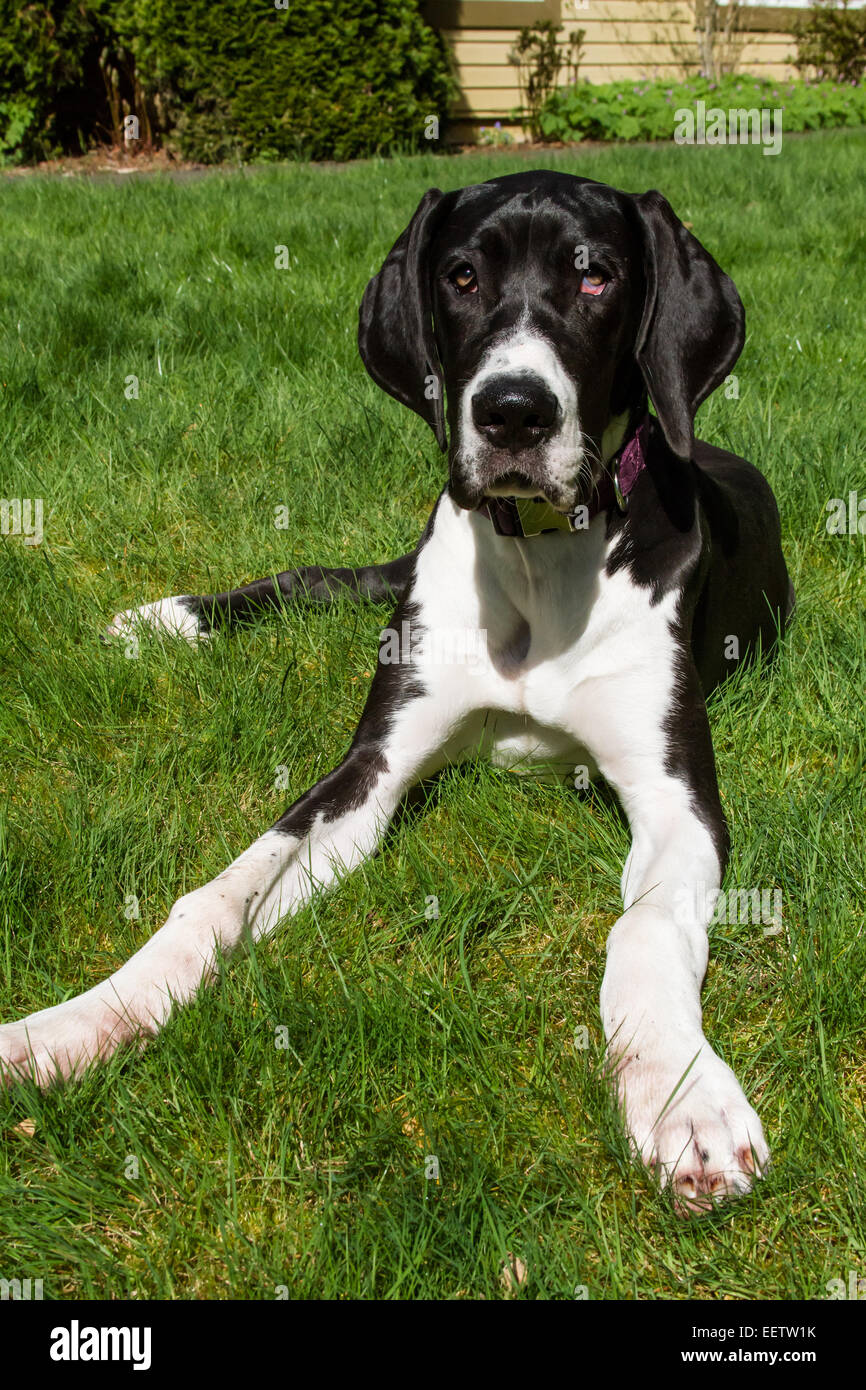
[[464, 280], [592, 283]]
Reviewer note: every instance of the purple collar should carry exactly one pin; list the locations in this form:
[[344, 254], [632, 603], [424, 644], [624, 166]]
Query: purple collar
[[524, 516]]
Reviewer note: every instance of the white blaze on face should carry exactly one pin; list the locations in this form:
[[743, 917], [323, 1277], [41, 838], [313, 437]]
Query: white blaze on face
[[563, 456]]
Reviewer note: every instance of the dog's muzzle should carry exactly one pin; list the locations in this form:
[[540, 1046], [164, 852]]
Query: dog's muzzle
[[515, 413], [515, 516], [510, 440]]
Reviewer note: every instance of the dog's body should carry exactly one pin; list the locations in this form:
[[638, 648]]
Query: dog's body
[[549, 306]]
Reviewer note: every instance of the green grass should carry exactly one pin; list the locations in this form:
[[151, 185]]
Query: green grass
[[304, 1166]]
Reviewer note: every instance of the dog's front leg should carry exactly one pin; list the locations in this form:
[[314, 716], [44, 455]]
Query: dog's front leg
[[684, 1109], [403, 736]]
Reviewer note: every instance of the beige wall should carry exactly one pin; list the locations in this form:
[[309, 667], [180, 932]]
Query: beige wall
[[624, 39]]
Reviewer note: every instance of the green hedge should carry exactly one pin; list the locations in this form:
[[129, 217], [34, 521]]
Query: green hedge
[[220, 79], [325, 79], [45, 71], [646, 110]]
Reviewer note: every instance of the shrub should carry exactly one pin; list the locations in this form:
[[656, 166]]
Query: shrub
[[831, 41], [646, 110], [222, 78], [49, 76], [538, 58], [323, 79]]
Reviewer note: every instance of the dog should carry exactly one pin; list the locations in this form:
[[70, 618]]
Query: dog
[[607, 557]]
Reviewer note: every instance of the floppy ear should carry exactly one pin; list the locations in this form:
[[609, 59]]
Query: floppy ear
[[395, 329], [693, 324]]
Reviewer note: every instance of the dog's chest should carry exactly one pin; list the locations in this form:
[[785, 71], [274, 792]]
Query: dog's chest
[[555, 640]]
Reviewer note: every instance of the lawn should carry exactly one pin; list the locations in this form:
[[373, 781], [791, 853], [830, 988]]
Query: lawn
[[277, 1135]]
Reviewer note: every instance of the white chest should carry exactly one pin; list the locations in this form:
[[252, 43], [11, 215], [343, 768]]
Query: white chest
[[560, 649]]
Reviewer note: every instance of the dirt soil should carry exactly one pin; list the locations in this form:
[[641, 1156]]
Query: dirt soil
[[112, 160], [107, 159]]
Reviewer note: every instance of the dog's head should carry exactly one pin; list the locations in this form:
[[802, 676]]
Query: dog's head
[[541, 308]]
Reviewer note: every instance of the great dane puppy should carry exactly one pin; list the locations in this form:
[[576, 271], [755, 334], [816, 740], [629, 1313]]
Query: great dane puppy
[[605, 557]]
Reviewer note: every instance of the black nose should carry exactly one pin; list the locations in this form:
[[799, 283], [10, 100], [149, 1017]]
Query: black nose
[[514, 412]]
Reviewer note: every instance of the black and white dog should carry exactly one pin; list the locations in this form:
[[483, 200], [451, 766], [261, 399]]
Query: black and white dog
[[607, 558]]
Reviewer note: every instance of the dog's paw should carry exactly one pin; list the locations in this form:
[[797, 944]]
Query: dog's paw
[[170, 616], [690, 1122], [61, 1042]]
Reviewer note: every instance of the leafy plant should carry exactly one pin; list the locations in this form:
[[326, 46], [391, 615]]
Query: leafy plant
[[45, 67], [831, 41], [495, 136], [16, 118], [646, 111], [539, 59]]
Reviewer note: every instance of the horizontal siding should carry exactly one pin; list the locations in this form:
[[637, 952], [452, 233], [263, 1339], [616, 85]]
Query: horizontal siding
[[472, 62], [622, 72], [595, 32], [751, 16], [624, 39]]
